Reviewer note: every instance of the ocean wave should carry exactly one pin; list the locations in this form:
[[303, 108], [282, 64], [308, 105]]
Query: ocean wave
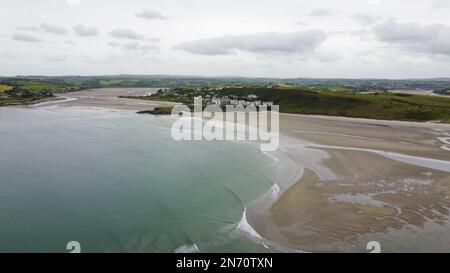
[[269, 154], [187, 249], [273, 193], [244, 228]]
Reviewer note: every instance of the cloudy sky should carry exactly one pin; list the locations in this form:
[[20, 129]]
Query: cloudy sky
[[282, 38]]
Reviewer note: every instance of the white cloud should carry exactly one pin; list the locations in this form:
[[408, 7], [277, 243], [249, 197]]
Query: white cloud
[[72, 3], [53, 29], [150, 15], [440, 4], [140, 47], [8, 55], [32, 28], [56, 58], [374, 2], [243, 40], [113, 44], [321, 13], [126, 34], [428, 39], [366, 19], [154, 40], [262, 43]]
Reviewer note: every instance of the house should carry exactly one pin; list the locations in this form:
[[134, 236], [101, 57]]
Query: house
[[221, 101]]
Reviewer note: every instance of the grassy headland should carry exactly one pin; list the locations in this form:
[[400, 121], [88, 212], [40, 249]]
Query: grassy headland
[[326, 101]]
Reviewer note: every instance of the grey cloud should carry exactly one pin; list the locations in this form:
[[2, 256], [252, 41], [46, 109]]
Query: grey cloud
[[429, 39], [84, 31], [150, 15], [126, 34], [53, 29], [320, 13], [284, 43], [366, 19], [25, 38]]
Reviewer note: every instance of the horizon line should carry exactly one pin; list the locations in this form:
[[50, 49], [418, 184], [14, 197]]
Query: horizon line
[[229, 76]]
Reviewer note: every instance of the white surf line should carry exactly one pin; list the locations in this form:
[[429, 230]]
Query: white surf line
[[446, 140], [188, 249], [66, 99], [436, 164], [443, 131], [333, 134], [246, 229]]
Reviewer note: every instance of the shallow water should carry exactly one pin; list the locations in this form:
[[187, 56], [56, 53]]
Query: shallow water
[[116, 182]]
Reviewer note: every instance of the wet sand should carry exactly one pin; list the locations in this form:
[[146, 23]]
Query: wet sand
[[359, 191], [105, 98]]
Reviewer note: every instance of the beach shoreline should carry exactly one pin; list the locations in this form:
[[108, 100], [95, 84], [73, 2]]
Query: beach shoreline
[[337, 197], [351, 194]]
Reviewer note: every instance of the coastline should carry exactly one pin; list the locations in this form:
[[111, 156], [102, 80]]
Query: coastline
[[337, 197], [31, 102]]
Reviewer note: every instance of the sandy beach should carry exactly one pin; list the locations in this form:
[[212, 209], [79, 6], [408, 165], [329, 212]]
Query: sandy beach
[[358, 177], [104, 98], [360, 187]]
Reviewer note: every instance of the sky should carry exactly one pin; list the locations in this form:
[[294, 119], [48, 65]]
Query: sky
[[249, 38]]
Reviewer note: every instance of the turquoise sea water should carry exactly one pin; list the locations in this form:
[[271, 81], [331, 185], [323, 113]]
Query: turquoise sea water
[[115, 181]]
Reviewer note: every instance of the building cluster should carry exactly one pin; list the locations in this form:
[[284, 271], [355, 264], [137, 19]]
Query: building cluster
[[213, 96], [232, 100]]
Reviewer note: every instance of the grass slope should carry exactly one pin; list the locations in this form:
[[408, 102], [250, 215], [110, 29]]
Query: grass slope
[[324, 101]]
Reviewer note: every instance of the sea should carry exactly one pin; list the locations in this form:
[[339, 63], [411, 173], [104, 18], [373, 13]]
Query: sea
[[115, 181]]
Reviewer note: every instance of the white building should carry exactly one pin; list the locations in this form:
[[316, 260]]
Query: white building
[[252, 97]]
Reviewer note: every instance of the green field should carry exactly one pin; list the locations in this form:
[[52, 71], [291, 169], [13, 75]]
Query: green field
[[19, 89], [4, 87], [377, 105], [35, 87], [119, 82]]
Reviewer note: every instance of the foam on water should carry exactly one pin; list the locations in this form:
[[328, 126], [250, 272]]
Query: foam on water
[[187, 249], [244, 227], [274, 192], [269, 154]]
